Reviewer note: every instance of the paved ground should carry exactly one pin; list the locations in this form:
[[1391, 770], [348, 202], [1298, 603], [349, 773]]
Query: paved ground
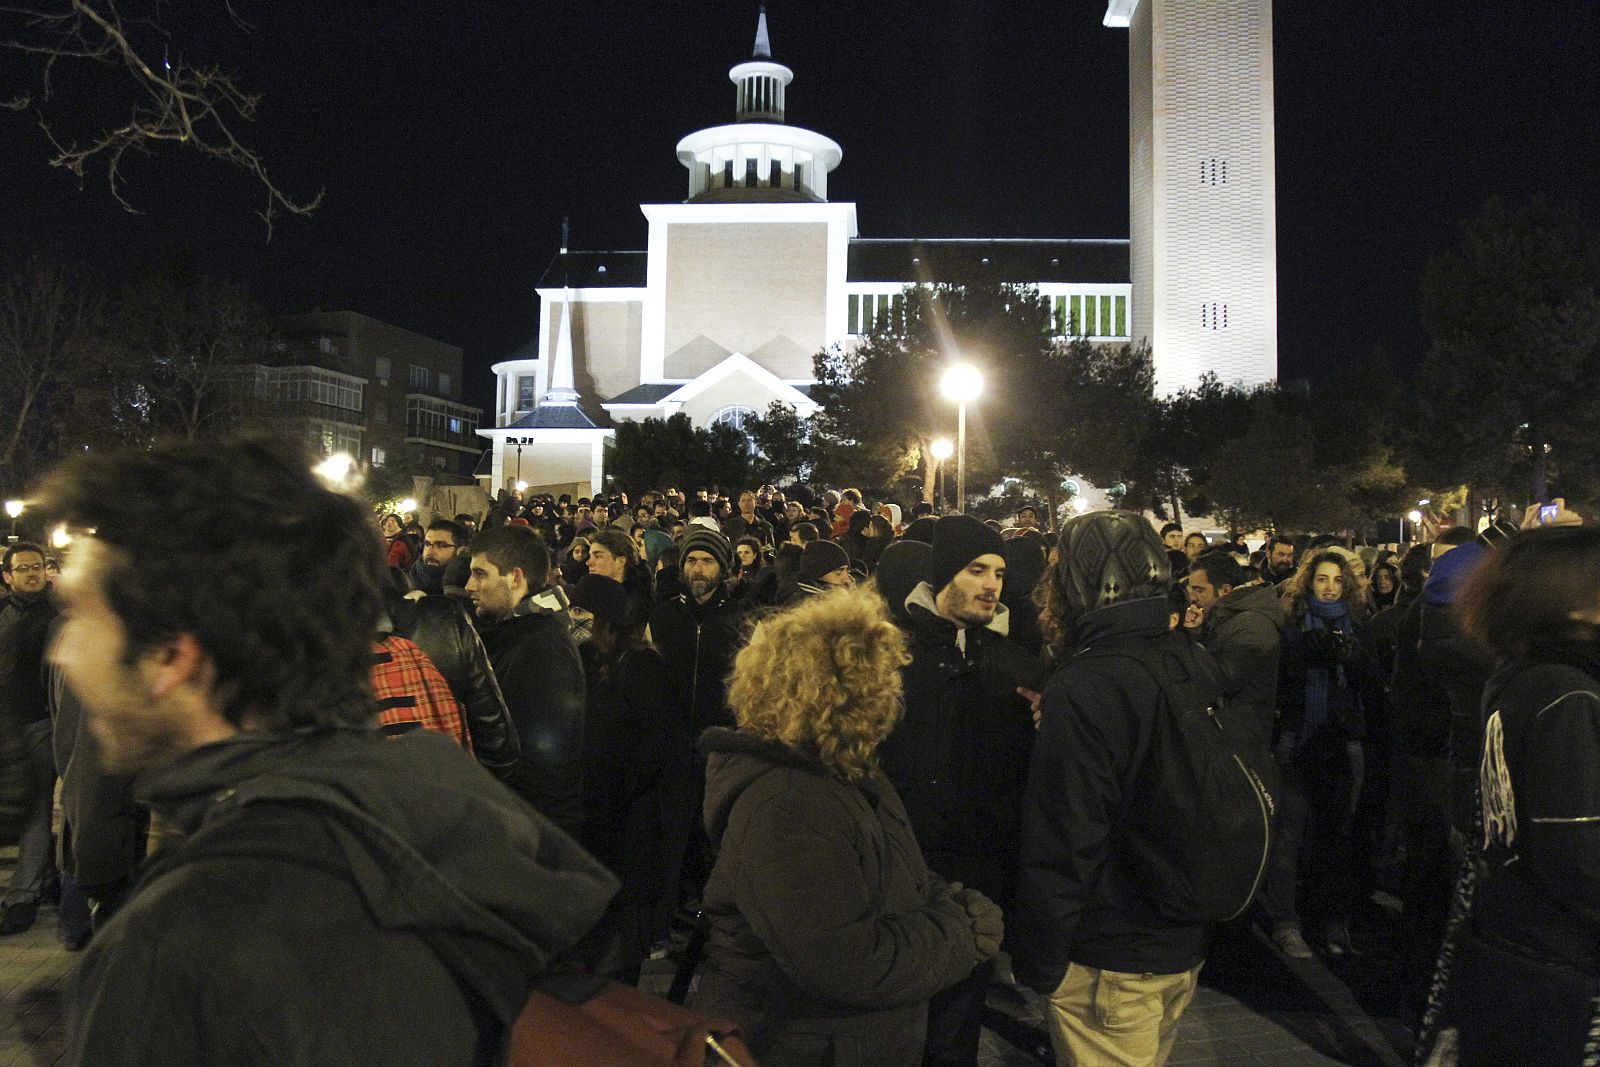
[[1255, 1009]]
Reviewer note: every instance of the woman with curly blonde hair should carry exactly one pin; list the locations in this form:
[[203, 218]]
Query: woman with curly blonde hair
[[828, 933]]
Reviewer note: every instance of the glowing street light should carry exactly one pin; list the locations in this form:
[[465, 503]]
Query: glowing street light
[[522, 487], [409, 504], [61, 537], [962, 382], [15, 508], [335, 469]]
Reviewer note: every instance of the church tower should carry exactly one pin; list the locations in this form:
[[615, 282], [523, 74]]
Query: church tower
[[1202, 199], [758, 159]]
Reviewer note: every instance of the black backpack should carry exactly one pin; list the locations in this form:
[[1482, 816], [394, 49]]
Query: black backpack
[[1199, 823]]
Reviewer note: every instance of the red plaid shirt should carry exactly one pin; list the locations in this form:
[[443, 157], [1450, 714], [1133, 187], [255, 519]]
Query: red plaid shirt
[[411, 692]]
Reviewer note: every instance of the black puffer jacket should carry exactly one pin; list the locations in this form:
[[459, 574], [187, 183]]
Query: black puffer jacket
[[541, 677], [330, 898], [1080, 899], [959, 756], [828, 932], [24, 633], [441, 627]]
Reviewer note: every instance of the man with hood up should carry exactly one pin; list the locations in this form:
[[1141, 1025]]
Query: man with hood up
[[527, 631], [1086, 932], [323, 894], [959, 756]]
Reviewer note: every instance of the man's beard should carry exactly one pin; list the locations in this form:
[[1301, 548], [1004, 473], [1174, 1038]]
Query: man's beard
[[701, 587]]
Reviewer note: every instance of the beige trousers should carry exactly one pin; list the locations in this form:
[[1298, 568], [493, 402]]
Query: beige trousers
[[1111, 1019]]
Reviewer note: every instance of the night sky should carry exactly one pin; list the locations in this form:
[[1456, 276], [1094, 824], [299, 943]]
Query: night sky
[[452, 138]]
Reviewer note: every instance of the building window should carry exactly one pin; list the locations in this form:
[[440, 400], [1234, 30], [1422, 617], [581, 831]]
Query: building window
[[775, 174], [444, 380], [419, 377], [380, 411], [727, 175], [737, 416], [455, 425], [1105, 317], [381, 369], [527, 392], [1122, 316], [325, 344], [377, 457], [855, 313], [750, 179]]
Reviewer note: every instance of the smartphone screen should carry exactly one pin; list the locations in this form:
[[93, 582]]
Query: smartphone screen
[[1547, 513]]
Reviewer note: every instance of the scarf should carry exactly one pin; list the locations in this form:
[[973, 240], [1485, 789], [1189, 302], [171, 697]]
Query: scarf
[[1327, 617]]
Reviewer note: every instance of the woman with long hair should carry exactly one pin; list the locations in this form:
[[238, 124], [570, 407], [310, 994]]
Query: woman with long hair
[[828, 931], [1524, 964], [575, 561], [627, 747], [1326, 679]]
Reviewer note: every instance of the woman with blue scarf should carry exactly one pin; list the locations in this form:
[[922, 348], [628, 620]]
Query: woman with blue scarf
[[1325, 680]]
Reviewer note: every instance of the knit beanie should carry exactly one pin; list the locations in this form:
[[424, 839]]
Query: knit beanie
[[604, 598], [902, 565], [704, 539], [656, 542], [821, 557], [957, 541], [1110, 556], [921, 530]]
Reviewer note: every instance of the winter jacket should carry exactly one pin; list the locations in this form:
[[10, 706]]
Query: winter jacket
[[1460, 667], [959, 755], [627, 740], [738, 526], [1244, 631], [331, 897], [1529, 955], [541, 677], [1080, 899], [828, 933], [441, 627], [24, 634], [698, 642], [103, 830], [1421, 706], [1304, 650]]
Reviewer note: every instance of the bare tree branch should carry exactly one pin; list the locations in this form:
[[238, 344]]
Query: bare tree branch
[[200, 108]]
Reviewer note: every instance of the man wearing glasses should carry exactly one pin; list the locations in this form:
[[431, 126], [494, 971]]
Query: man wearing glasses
[[442, 544], [25, 619]]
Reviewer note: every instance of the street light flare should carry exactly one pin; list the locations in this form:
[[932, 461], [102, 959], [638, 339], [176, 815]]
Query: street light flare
[[942, 449]]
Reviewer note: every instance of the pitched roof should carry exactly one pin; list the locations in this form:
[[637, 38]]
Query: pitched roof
[[554, 417], [595, 270], [648, 393], [1021, 260]]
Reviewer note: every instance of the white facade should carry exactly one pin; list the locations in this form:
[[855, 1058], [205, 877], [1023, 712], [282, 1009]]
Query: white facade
[[740, 286], [1202, 187]]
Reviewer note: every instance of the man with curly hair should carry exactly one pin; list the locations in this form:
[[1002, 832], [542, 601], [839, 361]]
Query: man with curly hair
[[323, 894]]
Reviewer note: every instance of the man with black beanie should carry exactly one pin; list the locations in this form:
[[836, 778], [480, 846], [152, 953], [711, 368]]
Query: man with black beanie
[[824, 565], [959, 756]]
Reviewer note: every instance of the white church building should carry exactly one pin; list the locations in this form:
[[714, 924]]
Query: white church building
[[744, 281]]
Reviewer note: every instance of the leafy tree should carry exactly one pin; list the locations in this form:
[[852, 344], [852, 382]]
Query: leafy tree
[[659, 452], [783, 444], [1513, 312]]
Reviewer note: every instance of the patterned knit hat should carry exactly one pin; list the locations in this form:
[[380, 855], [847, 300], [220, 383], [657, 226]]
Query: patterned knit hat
[[704, 539], [1109, 556]]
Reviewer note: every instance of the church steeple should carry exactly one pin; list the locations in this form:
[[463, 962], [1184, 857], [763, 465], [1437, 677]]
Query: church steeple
[[563, 389], [759, 81], [758, 158]]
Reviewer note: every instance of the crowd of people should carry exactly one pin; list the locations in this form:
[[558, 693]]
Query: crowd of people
[[849, 763]]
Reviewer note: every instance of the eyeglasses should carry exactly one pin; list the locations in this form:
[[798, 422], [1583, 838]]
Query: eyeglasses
[[29, 568], [439, 544]]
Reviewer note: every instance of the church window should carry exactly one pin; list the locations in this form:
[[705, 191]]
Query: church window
[[800, 176], [1122, 316], [527, 386], [1105, 317], [1076, 305], [750, 179], [775, 174], [855, 313], [737, 416], [727, 175]]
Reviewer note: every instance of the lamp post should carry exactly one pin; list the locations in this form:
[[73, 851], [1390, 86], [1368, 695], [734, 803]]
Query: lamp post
[[519, 442], [942, 450], [14, 508], [961, 382]]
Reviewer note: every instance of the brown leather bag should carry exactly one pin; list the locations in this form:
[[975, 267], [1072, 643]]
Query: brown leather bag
[[579, 1023]]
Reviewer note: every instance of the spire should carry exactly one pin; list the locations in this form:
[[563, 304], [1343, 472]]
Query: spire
[[763, 49], [566, 232], [563, 391]]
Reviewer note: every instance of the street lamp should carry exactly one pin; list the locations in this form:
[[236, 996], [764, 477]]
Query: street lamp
[[15, 508], [519, 442], [942, 450], [962, 383], [1416, 525]]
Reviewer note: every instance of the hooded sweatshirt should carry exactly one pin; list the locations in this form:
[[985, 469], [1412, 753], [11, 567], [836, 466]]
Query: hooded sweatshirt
[[325, 897]]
